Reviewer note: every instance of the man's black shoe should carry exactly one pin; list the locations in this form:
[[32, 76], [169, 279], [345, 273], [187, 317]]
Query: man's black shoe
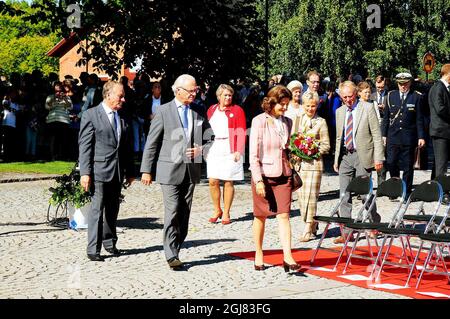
[[175, 264], [95, 257], [114, 251]]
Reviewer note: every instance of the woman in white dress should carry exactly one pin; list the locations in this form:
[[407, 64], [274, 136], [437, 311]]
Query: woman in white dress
[[295, 107], [226, 155]]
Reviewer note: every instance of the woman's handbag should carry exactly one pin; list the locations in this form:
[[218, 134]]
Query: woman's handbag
[[296, 180]]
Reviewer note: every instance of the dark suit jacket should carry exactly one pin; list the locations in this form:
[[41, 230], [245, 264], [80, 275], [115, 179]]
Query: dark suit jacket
[[439, 100], [166, 145], [101, 155]]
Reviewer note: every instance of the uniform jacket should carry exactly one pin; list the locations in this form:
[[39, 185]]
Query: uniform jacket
[[101, 154], [320, 130], [403, 124], [439, 100], [268, 155], [368, 144]]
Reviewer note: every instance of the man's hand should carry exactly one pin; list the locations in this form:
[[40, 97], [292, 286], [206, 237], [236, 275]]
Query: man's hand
[[146, 179], [336, 168], [261, 189], [236, 156], [421, 142], [85, 182], [378, 166], [384, 140], [194, 152]]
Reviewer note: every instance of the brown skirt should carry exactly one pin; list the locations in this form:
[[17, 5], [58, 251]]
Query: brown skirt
[[278, 197]]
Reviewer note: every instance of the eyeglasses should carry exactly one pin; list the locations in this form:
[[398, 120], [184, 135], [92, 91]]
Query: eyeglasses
[[194, 91]]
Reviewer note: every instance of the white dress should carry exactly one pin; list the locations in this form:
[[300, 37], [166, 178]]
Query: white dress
[[293, 112], [220, 162]]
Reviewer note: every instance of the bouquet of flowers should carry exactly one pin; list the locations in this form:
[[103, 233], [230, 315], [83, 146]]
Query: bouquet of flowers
[[304, 146]]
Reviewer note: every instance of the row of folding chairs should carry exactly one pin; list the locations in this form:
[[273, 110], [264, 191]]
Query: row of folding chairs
[[420, 215]]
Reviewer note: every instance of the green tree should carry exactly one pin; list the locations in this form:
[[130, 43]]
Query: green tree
[[211, 39], [23, 44], [332, 36]]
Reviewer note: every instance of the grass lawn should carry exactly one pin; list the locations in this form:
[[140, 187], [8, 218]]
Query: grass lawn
[[56, 167]]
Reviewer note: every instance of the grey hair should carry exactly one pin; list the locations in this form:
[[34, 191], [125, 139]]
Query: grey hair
[[222, 88], [180, 81], [348, 84], [310, 96], [108, 87]]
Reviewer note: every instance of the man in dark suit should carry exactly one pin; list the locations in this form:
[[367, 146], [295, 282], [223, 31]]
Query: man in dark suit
[[439, 100], [379, 98], [173, 149], [155, 101], [380, 95], [403, 129], [105, 147]]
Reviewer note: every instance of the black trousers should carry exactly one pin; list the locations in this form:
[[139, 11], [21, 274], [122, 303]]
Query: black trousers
[[441, 147], [401, 157]]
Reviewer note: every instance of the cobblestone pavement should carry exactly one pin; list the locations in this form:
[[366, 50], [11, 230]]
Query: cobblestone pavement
[[39, 261]]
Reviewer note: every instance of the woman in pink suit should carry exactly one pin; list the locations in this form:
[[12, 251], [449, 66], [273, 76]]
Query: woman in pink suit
[[271, 173], [226, 155]]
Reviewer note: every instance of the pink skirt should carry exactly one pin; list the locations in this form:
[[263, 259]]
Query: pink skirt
[[278, 197]]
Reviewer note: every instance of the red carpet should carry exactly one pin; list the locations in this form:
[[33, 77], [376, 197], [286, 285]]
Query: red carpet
[[392, 278]]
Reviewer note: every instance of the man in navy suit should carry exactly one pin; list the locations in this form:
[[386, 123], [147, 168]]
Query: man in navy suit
[[403, 129], [439, 100], [105, 146]]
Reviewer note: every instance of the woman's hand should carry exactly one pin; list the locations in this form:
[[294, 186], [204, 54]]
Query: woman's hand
[[261, 189], [236, 156]]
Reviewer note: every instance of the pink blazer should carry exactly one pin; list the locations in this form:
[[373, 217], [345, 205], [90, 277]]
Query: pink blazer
[[267, 155]]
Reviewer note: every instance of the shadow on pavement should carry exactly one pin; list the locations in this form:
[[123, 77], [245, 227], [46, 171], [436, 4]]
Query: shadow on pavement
[[140, 223], [45, 230], [187, 244]]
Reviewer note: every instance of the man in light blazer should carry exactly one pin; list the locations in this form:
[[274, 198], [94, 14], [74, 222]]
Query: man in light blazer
[[439, 100], [359, 147], [105, 146], [173, 150]]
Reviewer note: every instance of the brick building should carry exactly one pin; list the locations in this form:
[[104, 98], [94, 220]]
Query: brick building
[[66, 51]]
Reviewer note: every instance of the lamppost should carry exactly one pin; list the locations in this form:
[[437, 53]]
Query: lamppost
[[266, 51]]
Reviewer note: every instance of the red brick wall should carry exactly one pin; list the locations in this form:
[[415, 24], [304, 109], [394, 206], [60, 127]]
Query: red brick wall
[[68, 61]]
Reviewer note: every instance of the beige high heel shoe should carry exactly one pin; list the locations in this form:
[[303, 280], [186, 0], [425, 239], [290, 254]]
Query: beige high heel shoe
[[306, 237], [307, 233]]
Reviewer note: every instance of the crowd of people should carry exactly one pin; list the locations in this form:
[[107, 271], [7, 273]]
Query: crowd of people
[[363, 125]]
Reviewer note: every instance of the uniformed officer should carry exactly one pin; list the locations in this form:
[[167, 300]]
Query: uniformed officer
[[402, 129]]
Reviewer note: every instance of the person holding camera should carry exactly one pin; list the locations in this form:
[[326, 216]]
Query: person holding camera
[[58, 120]]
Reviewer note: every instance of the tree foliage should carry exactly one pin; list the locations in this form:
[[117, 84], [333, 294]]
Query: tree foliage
[[211, 39], [23, 44], [333, 36]]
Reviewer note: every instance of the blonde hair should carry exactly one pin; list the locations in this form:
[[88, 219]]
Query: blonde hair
[[348, 84], [362, 86], [310, 96], [223, 87]]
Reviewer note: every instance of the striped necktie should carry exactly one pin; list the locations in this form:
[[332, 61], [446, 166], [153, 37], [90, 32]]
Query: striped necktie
[[348, 140]]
